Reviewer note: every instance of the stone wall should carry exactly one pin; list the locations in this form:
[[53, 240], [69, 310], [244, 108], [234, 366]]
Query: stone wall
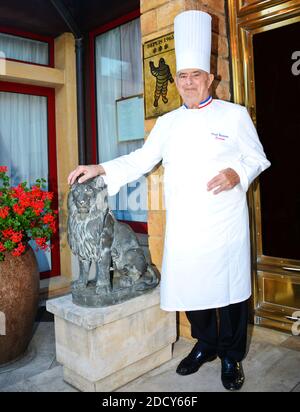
[[157, 17]]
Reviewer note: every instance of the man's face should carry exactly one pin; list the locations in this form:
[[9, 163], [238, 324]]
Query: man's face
[[193, 85]]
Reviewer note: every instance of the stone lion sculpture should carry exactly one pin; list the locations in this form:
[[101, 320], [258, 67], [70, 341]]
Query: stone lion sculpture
[[94, 235]]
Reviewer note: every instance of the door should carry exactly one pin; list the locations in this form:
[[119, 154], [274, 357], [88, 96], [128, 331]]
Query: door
[[265, 44]]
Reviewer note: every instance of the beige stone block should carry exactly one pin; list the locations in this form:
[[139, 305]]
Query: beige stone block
[[222, 90], [122, 376], [165, 24], [193, 5], [221, 26], [156, 223], [223, 46], [223, 70], [151, 4], [219, 45], [218, 17], [185, 332], [216, 5], [218, 23], [167, 13], [214, 65], [156, 247], [184, 326], [104, 348], [183, 319], [157, 34], [149, 22], [149, 124]]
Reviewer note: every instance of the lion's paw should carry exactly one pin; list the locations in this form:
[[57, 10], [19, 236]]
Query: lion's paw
[[103, 289], [79, 285]]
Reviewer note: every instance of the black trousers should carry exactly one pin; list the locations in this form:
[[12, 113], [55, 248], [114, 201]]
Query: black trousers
[[226, 337]]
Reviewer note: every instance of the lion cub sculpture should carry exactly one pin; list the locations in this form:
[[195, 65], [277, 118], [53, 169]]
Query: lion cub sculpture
[[94, 235]]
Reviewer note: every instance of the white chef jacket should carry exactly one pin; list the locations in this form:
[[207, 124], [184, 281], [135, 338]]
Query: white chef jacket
[[206, 260]]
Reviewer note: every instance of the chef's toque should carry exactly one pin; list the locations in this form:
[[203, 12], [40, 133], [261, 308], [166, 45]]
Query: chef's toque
[[192, 33]]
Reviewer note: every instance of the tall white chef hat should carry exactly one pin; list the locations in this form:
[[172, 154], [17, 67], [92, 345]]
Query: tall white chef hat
[[192, 33]]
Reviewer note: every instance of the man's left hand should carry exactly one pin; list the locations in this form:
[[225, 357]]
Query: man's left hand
[[225, 180]]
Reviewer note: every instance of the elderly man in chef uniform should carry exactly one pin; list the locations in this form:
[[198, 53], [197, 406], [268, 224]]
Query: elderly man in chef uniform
[[211, 153]]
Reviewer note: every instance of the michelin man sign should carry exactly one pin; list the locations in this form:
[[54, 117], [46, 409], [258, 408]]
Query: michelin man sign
[[161, 95]]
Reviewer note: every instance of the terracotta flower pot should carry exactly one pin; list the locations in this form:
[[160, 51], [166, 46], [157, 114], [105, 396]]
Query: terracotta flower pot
[[19, 293]]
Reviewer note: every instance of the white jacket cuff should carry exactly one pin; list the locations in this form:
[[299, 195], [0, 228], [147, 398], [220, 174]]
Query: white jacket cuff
[[113, 186], [238, 168]]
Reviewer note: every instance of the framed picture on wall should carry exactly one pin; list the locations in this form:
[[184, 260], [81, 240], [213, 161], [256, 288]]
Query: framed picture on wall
[[130, 118]]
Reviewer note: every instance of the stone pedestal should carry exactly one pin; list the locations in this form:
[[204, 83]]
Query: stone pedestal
[[102, 349]]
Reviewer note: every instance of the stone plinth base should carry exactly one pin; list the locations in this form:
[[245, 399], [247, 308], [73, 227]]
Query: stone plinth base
[[102, 349]]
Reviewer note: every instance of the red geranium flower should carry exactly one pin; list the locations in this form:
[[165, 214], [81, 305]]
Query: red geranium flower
[[18, 209], [19, 250], [16, 237], [4, 211], [25, 214]]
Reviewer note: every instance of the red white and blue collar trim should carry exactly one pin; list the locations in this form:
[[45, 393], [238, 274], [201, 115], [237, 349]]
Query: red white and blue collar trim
[[202, 104]]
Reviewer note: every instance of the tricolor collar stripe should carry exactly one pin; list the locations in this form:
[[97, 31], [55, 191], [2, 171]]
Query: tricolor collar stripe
[[205, 103]]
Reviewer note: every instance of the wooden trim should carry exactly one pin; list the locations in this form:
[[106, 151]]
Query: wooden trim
[[138, 227], [116, 23], [263, 6]]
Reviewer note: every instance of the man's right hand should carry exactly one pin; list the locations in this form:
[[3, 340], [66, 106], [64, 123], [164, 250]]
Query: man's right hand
[[88, 172]]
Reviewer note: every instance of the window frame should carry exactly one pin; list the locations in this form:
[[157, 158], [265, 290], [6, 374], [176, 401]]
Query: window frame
[[31, 36], [138, 227], [49, 93]]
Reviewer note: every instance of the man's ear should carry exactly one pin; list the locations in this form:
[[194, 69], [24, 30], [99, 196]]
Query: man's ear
[[211, 79]]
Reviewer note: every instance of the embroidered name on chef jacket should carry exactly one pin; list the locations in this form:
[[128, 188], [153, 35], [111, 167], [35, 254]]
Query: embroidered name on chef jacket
[[219, 136]]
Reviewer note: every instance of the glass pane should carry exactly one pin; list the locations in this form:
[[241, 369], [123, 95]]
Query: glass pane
[[119, 75], [20, 48], [277, 88], [24, 143]]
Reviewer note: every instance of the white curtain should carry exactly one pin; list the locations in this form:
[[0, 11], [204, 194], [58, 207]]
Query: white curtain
[[119, 75], [24, 144], [20, 48]]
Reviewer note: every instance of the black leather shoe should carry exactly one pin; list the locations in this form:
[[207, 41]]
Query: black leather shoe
[[194, 360], [232, 374]]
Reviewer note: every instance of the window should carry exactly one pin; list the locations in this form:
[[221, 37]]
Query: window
[[27, 141], [118, 66], [26, 47]]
